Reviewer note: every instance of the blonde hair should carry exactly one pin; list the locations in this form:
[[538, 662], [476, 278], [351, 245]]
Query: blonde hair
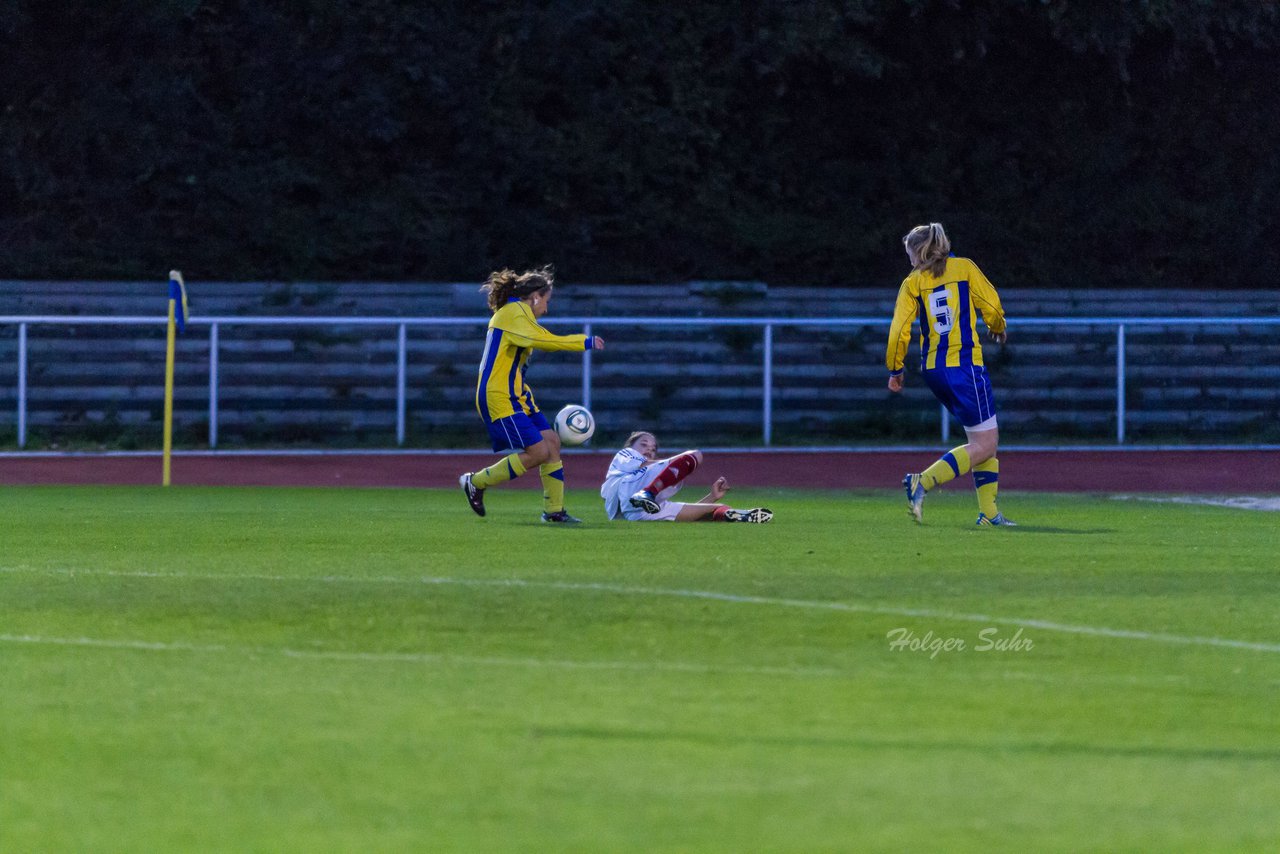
[[928, 247], [504, 284]]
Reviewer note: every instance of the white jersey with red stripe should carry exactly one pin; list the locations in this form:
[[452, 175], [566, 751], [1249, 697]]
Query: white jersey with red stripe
[[630, 472]]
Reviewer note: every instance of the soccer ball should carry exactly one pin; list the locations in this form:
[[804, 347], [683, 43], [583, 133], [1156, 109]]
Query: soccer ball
[[574, 424]]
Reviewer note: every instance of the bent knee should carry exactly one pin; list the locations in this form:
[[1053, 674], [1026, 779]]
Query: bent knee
[[984, 451]]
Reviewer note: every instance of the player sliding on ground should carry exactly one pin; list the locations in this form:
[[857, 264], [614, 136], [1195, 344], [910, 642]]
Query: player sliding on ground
[[639, 487], [951, 291], [504, 399]]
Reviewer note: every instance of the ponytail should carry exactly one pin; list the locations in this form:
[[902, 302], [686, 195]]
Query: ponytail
[[505, 284], [928, 248]]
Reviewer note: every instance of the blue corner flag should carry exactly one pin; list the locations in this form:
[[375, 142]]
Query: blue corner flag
[[178, 299], [177, 322]]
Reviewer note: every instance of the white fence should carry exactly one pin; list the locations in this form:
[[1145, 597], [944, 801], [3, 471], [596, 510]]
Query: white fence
[[399, 326]]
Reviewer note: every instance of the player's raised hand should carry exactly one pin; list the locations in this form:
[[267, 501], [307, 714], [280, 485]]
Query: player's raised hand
[[597, 343], [895, 383], [719, 488]]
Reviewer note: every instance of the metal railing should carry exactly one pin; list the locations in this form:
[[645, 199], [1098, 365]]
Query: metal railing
[[766, 325]]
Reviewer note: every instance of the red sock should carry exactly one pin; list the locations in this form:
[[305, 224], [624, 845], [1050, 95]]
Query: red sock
[[717, 515], [677, 469]]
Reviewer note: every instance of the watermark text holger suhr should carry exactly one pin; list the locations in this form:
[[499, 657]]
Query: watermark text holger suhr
[[988, 640]]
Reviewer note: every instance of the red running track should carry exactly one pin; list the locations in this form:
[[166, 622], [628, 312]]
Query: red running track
[[1215, 472]]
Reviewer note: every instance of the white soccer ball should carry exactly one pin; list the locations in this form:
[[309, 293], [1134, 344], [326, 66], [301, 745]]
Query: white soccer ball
[[574, 424]]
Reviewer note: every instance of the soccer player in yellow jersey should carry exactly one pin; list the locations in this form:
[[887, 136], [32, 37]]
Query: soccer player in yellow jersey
[[504, 399], [948, 294]]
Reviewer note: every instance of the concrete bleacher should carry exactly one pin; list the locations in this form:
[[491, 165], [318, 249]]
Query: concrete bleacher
[[281, 384]]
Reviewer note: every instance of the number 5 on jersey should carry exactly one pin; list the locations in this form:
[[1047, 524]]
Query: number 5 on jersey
[[943, 319]]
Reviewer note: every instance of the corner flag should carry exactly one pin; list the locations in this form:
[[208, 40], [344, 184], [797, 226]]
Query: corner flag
[[177, 323], [178, 299]]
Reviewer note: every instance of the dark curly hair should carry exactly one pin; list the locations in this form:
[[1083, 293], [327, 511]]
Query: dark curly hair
[[502, 285]]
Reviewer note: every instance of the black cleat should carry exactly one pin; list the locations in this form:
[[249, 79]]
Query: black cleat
[[475, 496], [643, 500], [756, 515], [560, 517]]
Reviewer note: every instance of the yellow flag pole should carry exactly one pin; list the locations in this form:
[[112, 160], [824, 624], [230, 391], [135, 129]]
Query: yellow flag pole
[[168, 390]]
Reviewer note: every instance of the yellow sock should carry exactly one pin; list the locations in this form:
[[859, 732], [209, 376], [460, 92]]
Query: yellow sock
[[986, 480], [954, 463], [552, 486], [505, 469]]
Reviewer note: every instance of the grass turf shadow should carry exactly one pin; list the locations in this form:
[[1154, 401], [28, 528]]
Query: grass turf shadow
[[1137, 751]]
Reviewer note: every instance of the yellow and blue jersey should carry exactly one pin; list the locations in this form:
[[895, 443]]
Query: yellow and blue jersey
[[948, 307], [514, 334]]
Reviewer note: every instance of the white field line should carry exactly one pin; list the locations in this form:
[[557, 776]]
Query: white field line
[[1237, 502], [958, 616], [710, 595], [567, 664], [104, 643], [430, 658], [447, 659]]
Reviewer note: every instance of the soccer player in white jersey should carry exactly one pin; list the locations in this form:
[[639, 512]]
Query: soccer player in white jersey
[[639, 487]]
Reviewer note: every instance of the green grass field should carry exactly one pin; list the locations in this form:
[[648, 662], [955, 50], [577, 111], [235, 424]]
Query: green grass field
[[379, 670]]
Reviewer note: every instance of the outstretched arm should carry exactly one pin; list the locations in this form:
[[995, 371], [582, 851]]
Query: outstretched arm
[[526, 332]]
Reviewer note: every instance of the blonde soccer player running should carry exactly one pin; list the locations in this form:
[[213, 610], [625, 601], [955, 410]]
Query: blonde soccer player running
[[948, 294], [517, 428], [639, 487]]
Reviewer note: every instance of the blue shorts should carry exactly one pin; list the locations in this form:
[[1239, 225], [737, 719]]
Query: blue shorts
[[966, 393], [517, 431]]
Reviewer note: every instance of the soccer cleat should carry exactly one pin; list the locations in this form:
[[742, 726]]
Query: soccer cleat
[[915, 497], [475, 495], [756, 515], [560, 517], [643, 500], [998, 519]]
